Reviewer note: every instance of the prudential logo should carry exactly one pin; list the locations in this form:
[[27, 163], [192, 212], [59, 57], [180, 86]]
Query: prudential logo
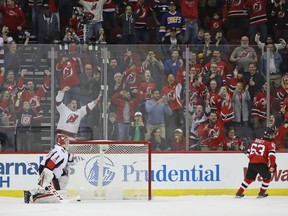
[[91, 171]]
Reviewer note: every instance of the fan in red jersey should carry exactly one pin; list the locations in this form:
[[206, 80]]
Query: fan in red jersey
[[262, 161]]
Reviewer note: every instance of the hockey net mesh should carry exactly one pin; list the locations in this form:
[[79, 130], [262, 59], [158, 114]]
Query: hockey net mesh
[[111, 170]]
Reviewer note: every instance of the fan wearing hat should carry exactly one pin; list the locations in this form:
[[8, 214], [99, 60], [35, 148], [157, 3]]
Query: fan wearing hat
[[137, 129], [178, 143], [172, 39], [172, 19]]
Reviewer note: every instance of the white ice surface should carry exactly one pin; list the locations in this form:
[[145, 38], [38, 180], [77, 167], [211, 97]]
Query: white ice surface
[[159, 206]]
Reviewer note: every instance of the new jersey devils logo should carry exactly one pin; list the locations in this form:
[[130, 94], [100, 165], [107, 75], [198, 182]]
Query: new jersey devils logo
[[244, 54], [72, 118], [257, 7]]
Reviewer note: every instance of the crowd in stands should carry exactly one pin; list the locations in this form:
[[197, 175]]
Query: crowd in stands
[[231, 44]]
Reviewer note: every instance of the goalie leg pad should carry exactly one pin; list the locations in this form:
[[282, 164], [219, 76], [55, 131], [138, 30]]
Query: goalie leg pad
[[45, 177]]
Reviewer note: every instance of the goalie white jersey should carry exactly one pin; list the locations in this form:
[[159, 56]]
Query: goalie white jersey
[[56, 160]]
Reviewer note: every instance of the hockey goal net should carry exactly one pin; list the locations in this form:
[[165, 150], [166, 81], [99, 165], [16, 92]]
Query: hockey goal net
[[111, 170]]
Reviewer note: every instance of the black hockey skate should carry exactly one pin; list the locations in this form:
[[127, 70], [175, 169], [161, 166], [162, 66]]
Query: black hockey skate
[[239, 195], [262, 195], [27, 196]]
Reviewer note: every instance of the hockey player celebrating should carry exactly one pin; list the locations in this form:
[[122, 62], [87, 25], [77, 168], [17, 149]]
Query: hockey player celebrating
[[52, 171], [262, 161]]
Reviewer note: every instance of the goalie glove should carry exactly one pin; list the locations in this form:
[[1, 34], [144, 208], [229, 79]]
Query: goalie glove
[[74, 159], [272, 168], [45, 177]]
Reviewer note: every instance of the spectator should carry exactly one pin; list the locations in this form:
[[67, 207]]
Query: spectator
[[70, 36], [24, 121], [9, 82], [65, 13], [206, 48], [70, 115], [156, 108], [278, 46], [12, 56], [238, 77], [7, 108], [48, 26], [189, 10], [213, 92], [275, 61], [211, 133], [221, 43], [178, 142], [254, 79], [216, 23], [156, 68], [119, 86], [223, 104], [281, 131], [144, 90], [89, 89], [172, 64], [172, 40], [141, 32], [222, 66], [126, 107], [158, 12], [212, 73], [278, 16], [4, 38], [282, 91], [258, 18], [172, 19], [243, 55], [172, 92], [113, 132], [34, 97], [13, 18], [198, 116], [240, 103], [259, 109], [97, 11], [132, 77], [68, 70], [236, 15], [127, 21], [101, 38], [158, 143], [110, 10], [137, 129], [199, 38], [232, 142]]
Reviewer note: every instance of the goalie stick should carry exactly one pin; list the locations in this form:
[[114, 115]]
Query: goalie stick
[[52, 190]]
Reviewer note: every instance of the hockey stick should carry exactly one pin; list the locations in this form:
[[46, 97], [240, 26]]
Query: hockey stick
[[52, 190]]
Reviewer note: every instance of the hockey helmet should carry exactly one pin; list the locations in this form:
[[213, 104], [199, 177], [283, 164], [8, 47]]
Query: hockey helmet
[[62, 140], [269, 133]]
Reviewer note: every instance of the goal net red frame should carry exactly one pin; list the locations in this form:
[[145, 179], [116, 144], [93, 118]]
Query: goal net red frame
[[111, 170]]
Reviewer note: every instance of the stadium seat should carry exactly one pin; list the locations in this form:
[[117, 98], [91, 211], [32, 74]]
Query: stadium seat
[[234, 36]]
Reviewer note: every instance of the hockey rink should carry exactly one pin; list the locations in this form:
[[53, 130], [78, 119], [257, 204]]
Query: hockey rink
[[159, 206]]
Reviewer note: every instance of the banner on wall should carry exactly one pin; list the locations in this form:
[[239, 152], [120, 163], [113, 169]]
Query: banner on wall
[[169, 171]]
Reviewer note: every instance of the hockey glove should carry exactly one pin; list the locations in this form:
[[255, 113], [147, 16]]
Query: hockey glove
[[74, 159], [272, 168], [45, 177]]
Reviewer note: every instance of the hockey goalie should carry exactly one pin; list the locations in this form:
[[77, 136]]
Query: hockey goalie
[[53, 174]]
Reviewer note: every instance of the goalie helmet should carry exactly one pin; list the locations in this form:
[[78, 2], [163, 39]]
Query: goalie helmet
[[269, 133], [62, 140]]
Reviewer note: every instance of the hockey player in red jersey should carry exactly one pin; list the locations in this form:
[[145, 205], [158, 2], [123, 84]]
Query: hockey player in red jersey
[[262, 161], [51, 170]]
